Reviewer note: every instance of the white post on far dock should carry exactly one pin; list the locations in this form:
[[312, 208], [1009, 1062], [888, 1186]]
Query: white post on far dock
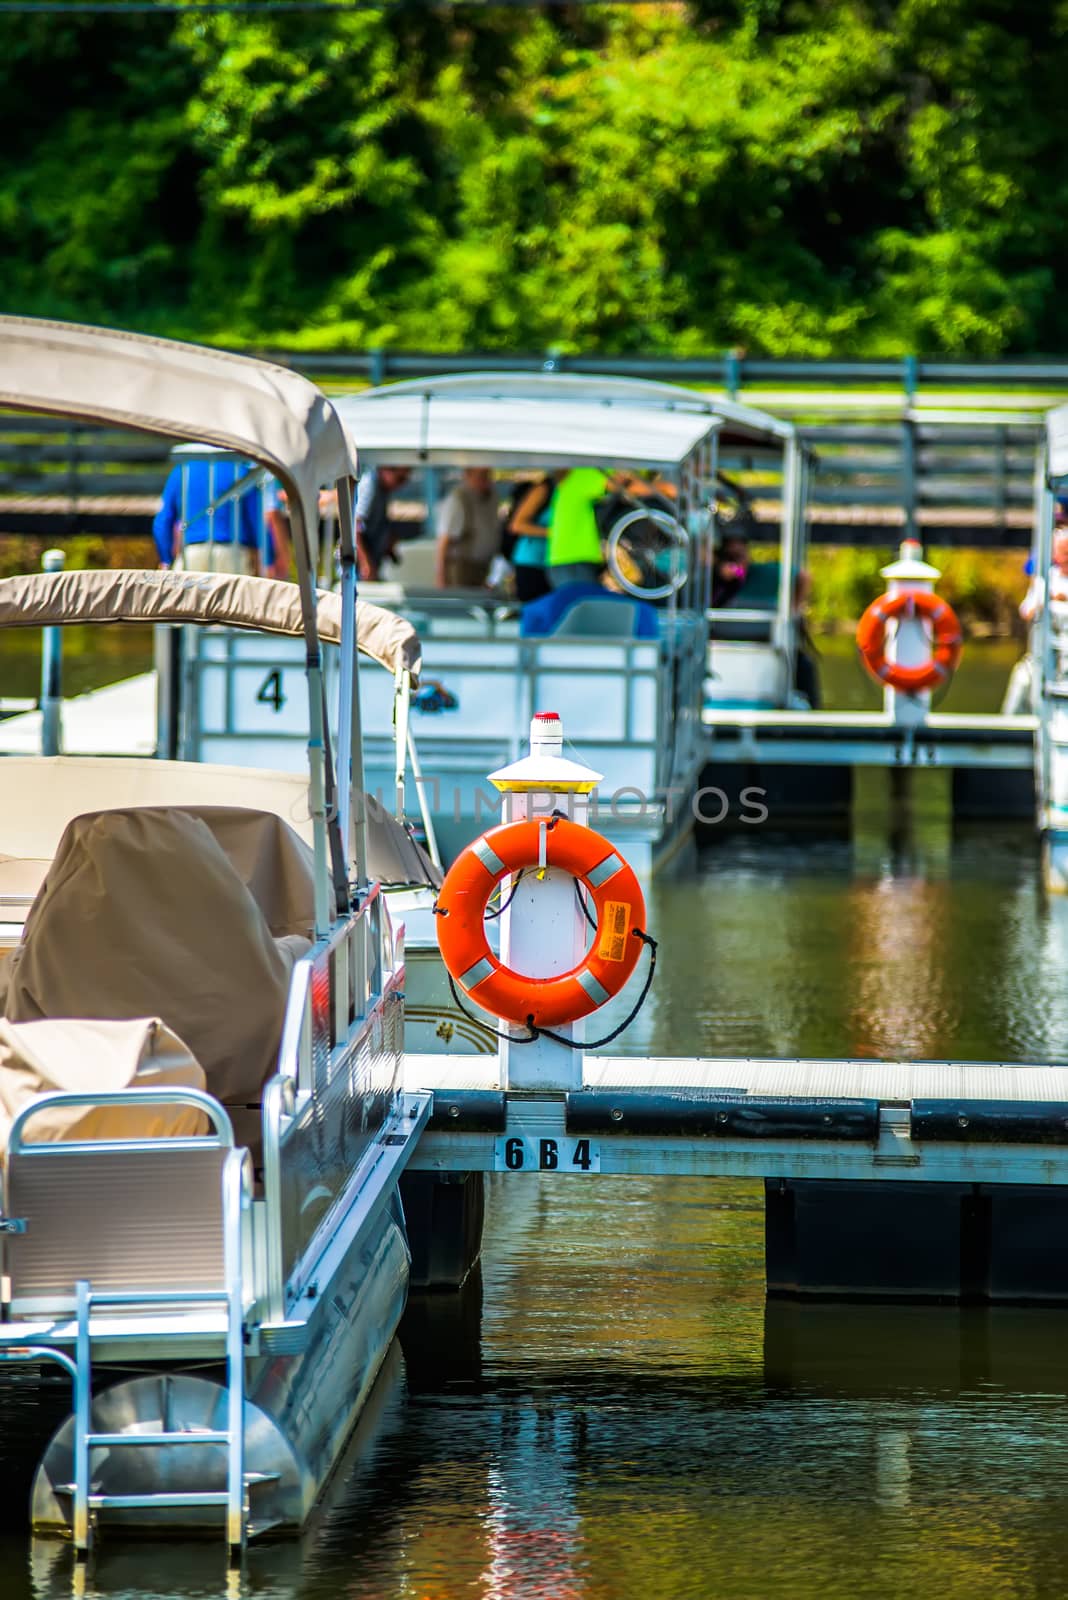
[[543, 928], [910, 645], [52, 672]]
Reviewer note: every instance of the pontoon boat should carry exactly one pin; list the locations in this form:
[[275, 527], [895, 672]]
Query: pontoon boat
[[200, 1219]]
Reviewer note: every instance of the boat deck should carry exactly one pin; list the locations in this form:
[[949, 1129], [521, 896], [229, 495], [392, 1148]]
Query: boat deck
[[119, 720]]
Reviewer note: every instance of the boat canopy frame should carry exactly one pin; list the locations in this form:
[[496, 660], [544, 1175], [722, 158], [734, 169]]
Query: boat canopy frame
[[278, 420], [544, 422], [741, 423], [459, 419]]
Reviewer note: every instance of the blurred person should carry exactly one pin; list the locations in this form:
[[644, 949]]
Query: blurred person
[[377, 533], [574, 550], [469, 531], [738, 580], [529, 526], [1020, 694], [1056, 584], [228, 540], [276, 515]]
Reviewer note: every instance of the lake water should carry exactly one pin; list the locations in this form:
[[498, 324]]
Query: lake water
[[612, 1411]]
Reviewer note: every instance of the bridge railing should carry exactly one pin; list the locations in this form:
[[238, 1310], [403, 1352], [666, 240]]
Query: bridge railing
[[908, 375], [952, 478]]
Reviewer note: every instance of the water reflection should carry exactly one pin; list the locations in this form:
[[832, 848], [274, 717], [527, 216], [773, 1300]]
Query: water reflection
[[713, 1446]]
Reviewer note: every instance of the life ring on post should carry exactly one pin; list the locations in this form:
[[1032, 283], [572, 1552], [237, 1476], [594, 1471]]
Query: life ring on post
[[520, 846], [946, 639]]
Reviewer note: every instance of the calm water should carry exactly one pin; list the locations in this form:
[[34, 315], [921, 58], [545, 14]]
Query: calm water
[[612, 1412]]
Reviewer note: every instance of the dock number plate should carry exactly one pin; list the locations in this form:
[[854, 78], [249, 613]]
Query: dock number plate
[[515, 1154]]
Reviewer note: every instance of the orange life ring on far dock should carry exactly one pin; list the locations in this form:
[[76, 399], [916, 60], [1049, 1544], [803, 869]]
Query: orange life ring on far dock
[[515, 847], [946, 640]]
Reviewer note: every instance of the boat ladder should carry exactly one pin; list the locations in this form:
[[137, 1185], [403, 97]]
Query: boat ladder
[[85, 1504]]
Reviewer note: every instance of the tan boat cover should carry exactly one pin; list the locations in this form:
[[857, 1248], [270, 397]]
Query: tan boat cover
[[99, 1058], [142, 913], [267, 605]]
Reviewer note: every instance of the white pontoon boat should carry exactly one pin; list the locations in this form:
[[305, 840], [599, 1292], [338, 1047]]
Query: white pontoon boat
[[200, 1215], [632, 702], [632, 707]]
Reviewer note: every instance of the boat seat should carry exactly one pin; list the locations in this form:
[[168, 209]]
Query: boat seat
[[40, 795], [80, 1058], [113, 1189], [142, 1219], [600, 619], [143, 913]]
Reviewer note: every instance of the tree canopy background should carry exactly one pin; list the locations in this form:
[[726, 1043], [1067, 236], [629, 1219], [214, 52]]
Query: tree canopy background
[[793, 177]]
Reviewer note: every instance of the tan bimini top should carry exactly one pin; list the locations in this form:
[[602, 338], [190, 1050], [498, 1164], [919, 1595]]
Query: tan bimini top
[[268, 605], [183, 391]]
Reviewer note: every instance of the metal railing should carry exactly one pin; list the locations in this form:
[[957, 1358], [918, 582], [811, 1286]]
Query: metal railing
[[883, 471], [138, 1297], [340, 1054], [727, 369]]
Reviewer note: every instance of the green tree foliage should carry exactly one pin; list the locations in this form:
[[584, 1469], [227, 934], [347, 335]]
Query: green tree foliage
[[795, 177]]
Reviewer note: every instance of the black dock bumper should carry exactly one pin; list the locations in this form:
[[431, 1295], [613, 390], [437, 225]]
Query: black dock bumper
[[989, 1121], [469, 1111], [697, 1114]]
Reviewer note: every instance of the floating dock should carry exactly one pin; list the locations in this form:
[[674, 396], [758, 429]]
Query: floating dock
[[888, 1180], [804, 762]]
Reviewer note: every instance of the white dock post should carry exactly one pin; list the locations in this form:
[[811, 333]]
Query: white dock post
[[52, 672], [910, 645], [543, 928]]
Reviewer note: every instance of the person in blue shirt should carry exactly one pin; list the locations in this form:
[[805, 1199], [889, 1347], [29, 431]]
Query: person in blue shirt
[[229, 540], [529, 525]]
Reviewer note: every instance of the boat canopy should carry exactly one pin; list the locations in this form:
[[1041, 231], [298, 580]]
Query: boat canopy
[[272, 417], [1057, 443], [269, 605], [182, 391], [416, 425], [740, 425]]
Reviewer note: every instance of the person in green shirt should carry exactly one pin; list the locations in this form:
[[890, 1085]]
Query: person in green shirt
[[574, 539]]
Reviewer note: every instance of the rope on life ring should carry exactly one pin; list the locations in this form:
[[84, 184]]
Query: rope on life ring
[[514, 847], [946, 639]]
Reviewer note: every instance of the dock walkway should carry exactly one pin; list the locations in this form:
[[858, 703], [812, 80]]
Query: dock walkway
[[931, 1122]]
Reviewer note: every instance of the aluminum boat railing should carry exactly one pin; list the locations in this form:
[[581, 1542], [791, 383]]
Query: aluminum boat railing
[[143, 1197]]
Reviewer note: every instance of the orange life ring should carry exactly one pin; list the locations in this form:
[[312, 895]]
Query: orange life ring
[[513, 847], [946, 640]]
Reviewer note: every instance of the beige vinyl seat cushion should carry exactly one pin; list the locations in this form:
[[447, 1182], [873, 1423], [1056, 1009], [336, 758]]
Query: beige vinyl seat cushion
[[38, 1058], [196, 918]]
